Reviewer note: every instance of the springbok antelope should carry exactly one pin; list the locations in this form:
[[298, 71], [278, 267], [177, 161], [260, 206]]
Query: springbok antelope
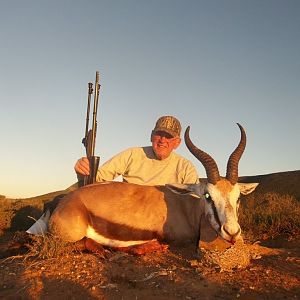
[[117, 214]]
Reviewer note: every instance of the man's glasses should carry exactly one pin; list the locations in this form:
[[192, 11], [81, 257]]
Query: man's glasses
[[161, 134]]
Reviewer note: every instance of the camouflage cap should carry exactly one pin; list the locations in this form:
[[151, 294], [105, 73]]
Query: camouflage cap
[[168, 124]]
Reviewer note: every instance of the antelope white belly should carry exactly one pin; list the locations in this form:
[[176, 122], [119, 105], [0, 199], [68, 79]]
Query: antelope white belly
[[92, 234]]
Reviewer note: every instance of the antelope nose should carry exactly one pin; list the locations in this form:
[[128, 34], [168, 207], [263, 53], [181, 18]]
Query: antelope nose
[[232, 233]]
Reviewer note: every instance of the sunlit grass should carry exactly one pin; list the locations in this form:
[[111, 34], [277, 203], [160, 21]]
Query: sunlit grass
[[270, 215], [50, 246]]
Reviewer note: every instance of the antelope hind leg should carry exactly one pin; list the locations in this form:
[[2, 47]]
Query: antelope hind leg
[[69, 221], [18, 245]]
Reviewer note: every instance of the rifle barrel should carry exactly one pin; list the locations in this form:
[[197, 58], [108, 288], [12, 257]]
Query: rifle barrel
[[94, 126], [90, 92], [89, 141]]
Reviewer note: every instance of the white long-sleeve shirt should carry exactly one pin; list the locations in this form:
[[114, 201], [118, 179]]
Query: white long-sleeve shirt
[[139, 165]]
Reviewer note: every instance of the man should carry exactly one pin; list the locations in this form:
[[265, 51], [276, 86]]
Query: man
[[152, 165]]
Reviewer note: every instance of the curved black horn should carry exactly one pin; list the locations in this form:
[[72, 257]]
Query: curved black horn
[[232, 173], [207, 161]]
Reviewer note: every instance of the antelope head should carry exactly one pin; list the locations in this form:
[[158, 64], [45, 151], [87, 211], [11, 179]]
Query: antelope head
[[222, 194]]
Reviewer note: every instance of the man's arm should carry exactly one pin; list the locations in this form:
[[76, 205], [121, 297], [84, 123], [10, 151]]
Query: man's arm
[[114, 167], [191, 175]]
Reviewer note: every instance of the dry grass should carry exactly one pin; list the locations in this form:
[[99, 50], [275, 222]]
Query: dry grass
[[49, 246], [270, 215]]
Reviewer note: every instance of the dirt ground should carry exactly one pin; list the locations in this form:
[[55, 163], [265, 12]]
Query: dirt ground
[[273, 273]]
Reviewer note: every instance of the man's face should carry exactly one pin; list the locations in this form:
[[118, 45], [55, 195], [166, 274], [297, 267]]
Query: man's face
[[163, 144]]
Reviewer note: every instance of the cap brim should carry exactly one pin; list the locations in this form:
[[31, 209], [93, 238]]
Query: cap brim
[[171, 132]]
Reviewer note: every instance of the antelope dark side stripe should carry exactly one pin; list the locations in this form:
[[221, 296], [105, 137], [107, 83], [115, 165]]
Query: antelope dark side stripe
[[121, 232]]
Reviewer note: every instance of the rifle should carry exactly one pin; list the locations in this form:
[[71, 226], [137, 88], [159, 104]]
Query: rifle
[[89, 140]]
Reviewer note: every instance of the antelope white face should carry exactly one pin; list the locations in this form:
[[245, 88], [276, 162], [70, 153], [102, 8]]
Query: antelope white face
[[222, 204], [222, 194], [221, 209]]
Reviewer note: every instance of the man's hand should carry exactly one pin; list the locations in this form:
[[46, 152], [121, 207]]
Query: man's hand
[[82, 166]]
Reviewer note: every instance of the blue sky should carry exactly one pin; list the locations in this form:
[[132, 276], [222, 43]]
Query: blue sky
[[210, 63]]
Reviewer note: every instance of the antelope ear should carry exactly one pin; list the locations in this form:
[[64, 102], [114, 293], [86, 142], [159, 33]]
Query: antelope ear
[[247, 188], [178, 188]]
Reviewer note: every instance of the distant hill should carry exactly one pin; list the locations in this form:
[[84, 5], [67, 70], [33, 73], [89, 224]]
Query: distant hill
[[283, 183], [45, 197]]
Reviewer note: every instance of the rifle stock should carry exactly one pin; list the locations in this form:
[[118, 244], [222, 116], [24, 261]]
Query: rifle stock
[[89, 140]]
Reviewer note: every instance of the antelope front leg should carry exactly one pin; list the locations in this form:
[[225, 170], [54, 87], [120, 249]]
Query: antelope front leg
[[91, 246], [148, 247]]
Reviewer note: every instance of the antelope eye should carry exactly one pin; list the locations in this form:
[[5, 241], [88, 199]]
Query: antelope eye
[[207, 197]]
